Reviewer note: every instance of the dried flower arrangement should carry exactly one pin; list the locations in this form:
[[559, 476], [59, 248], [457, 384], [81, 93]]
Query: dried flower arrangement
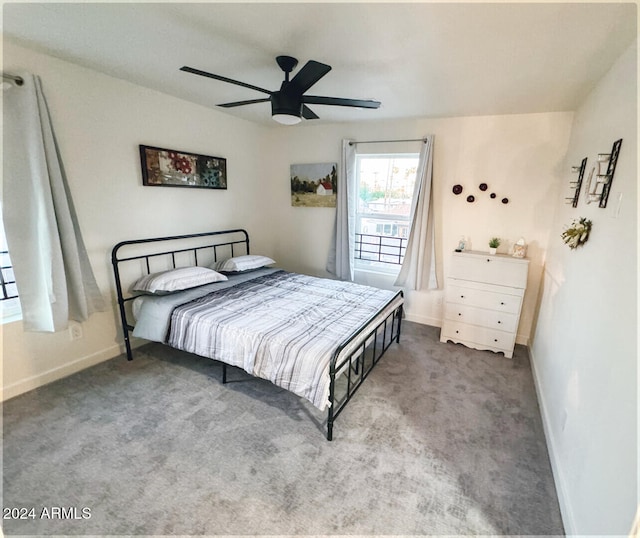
[[578, 233]]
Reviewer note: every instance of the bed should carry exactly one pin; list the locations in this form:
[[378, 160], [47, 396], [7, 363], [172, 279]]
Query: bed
[[318, 338]]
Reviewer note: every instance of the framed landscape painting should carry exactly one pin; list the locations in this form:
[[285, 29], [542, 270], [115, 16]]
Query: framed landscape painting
[[314, 185], [171, 168]]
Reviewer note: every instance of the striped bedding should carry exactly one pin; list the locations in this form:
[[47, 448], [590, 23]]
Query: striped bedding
[[284, 327]]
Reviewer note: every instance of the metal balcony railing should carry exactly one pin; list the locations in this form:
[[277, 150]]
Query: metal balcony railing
[[7, 280], [380, 248]]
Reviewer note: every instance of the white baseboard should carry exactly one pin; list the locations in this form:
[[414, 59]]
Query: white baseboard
[[35, 381], [424, 320], [558, 477]]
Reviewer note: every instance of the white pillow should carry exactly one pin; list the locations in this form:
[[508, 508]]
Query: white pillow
[[243, 263], [177, 279]]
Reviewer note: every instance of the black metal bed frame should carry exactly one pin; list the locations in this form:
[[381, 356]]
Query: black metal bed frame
[[346, 373]]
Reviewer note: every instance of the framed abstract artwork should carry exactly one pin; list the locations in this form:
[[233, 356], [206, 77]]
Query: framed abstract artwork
[[172, 168]]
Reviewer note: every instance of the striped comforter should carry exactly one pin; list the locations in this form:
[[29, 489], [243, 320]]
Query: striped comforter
[[284, 327]]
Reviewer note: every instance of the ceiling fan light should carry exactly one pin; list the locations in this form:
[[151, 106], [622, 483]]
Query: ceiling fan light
[[287, 119]]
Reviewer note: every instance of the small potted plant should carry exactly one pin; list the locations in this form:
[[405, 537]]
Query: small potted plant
[[494, 243]]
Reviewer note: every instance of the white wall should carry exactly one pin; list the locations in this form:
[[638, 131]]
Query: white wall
[[99, 122], [518, 156], [584, 350]]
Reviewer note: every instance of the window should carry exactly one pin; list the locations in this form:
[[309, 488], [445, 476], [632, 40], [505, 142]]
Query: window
[[9, 302], [385, 188]]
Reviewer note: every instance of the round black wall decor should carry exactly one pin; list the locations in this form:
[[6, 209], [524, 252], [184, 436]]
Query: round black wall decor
[[492, 195], [471, 198], [505, 200], [483, 186], [457, 189]]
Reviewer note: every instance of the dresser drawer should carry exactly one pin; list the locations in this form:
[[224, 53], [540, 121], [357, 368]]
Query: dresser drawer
[[482, 337], [503, 302], [500, 270], [492, 319]]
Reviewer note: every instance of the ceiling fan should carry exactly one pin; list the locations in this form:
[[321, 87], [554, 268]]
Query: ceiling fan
[[289, 103]]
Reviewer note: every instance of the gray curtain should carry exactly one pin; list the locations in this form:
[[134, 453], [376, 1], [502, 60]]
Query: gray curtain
[[341, 254], [53, 275], [418, 268]]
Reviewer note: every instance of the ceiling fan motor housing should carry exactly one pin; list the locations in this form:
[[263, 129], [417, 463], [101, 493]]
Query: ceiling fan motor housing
[[286, 101]]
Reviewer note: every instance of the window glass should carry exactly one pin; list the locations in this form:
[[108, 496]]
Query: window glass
[[385, 188]]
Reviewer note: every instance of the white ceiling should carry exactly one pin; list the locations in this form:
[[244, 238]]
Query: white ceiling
[[418, 59]]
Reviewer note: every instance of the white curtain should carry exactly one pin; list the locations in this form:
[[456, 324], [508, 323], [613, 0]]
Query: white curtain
[[54, 278], [418, 268], [341, 254]]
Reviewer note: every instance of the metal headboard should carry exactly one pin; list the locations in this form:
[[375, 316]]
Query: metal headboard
[[230, 245]]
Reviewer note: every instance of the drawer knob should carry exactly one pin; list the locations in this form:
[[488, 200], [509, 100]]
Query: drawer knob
[[459, 313], [488, 260], [495, 339], [462, 297], [457, 332], [499, 322], [502, 302]]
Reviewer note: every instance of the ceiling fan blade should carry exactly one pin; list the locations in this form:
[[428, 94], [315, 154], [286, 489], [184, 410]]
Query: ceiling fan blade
[[250, 102], [311, 73], [309, 114], [339, 101], [188, 69]]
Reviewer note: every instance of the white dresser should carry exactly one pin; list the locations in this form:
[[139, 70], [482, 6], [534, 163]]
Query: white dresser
[[483, 299]]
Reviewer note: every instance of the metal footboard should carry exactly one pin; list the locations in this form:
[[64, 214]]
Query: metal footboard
[[352, 369]]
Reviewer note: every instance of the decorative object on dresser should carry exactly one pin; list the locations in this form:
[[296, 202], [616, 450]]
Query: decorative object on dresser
[[171, 168], [483, 300], [520, 248], [494, 243], [578, 233]]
